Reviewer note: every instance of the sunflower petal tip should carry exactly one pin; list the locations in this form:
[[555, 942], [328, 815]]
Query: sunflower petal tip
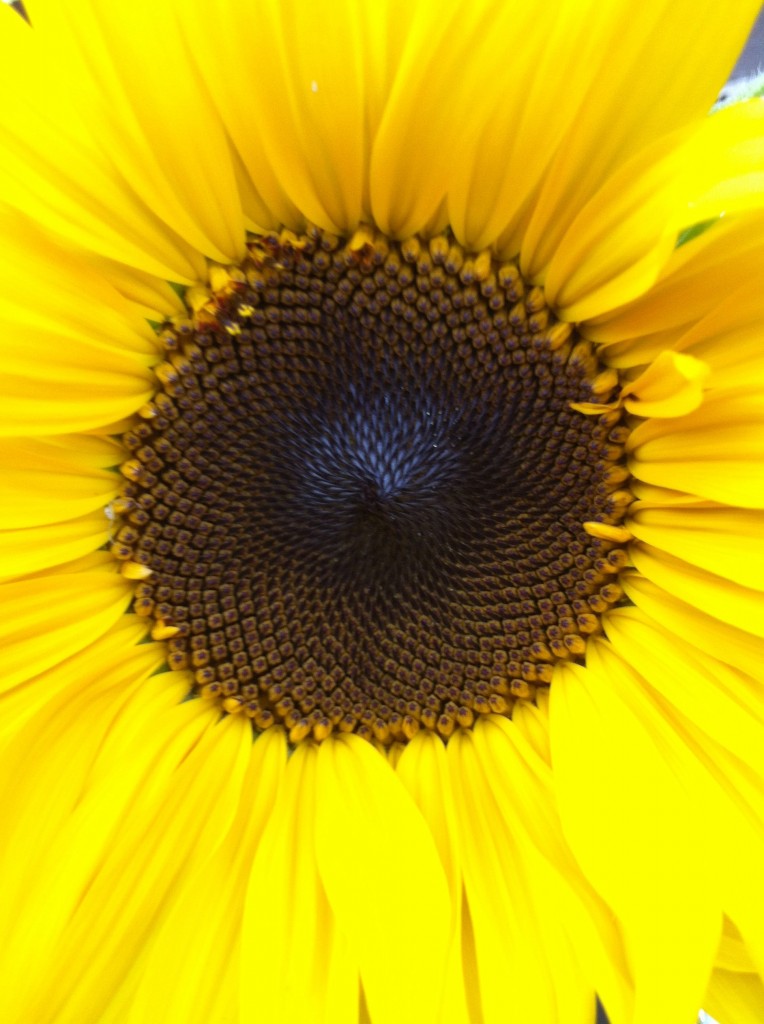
[[672, 385]]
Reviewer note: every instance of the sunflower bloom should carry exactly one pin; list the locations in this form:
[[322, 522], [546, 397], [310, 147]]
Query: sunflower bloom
[[382, 546]]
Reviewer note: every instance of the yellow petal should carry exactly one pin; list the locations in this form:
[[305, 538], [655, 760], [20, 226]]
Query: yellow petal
[[96, 561], [737, 998], [735, 138], [75, 354], [424, 771], [222, 45], [649, 496], [705, 631], [515, 981], [728, 339], [206, 917], [728, 601], [97, 748], [715, 452], [46, 480], [732, 954], [365, 818], [54, 395], [128, 866], [617, 245], [423, 107], [671, 386], [42, 547], [515, 111], [636, 351], [522, 786], [533, 722], [696, 277], [167, 143], [731, 795], [617, 120], [110, 656], [726, 541], [48, 618], [627, 817], [50, 744], [296, 113], [289, 929], [722, 701], [614, 249], [54, 169], [150, 296]]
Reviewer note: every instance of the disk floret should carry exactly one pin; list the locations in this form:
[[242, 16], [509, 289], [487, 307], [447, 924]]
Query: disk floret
[[357, 500]]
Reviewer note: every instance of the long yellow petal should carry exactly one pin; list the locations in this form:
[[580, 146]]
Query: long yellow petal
[[512, 129], [114, 649], [47, 618], [726, 541], [53, 171], [43, 547], [289, 81], [515, 981], [716, 596], [730, 793], [416, 138], [50, 744], [100, 744], [722, 701], [46, 480], [130, 864], [364, 816], [702, 629], [206, 917], [615, 248], [734, 997], [423, 768], [626, 815], [715, 452], [167, 143], [586, 951], [289, 930], [617, 120], [76, 360], [697, 275], [222, 37]]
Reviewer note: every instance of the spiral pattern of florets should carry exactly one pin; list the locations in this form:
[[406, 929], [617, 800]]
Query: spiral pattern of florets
[[359, 494]]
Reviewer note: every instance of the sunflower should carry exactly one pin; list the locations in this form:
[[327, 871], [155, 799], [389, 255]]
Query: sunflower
[[381, 533]]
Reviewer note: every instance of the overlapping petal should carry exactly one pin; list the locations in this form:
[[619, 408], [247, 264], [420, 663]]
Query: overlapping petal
[[362, 810], [81, 358], [639, 820], [53, 615]]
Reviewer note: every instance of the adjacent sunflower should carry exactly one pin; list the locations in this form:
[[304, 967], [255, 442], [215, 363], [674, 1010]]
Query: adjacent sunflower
[[382, 543]]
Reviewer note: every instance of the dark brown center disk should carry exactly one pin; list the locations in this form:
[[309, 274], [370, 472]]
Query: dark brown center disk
[[362, 489]]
